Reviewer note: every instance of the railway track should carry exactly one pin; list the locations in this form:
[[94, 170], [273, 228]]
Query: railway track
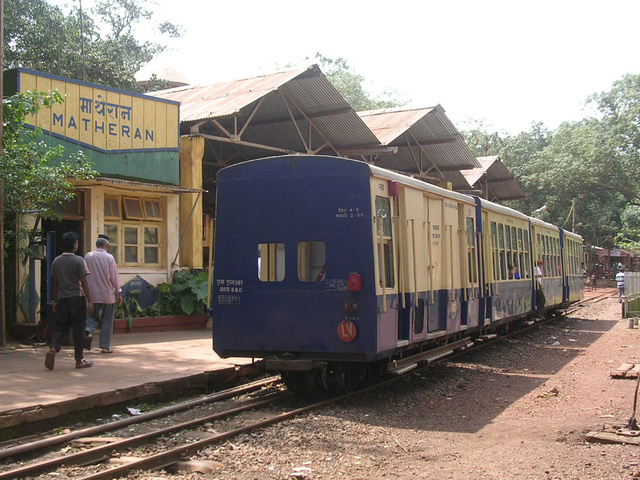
[[108, 446], [93, 463]]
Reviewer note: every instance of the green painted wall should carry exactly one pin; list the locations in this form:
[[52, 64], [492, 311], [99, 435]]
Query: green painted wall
[[157, 167]]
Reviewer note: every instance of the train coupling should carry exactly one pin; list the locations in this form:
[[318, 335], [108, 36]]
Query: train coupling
[[294, 365]]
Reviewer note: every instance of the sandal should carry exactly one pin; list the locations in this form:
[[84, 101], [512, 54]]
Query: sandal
[[107, 350], [84, 364], [50, 359]]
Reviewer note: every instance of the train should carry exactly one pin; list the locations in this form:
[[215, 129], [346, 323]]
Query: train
[[333, 271]]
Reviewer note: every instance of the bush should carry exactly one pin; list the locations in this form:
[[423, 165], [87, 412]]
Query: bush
[[185, 296]]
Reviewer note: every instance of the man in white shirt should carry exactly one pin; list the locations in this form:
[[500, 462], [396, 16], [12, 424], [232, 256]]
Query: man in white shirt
[[620, 282], [105, 284]]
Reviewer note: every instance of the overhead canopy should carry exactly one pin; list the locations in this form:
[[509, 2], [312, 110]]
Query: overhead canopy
[[428, 144], [494, 180], [296, 111]]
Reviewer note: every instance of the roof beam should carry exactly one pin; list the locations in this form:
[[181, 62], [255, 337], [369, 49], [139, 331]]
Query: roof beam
[[286, 98], [269, 121], [364, 150], [246, 144], [438, 141]]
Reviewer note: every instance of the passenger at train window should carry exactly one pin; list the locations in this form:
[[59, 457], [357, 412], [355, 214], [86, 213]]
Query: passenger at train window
[[540, 299], [510, 271], [516, 275]]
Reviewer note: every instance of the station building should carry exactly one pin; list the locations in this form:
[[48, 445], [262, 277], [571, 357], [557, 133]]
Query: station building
[[145, 194]]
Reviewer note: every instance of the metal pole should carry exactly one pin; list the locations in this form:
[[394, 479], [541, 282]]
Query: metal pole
[[3, 311]]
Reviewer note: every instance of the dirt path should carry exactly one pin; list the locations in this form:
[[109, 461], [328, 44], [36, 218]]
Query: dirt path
[[518, 409]]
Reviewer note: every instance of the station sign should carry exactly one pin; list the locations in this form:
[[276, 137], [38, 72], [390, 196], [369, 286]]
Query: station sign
[[104, 119]]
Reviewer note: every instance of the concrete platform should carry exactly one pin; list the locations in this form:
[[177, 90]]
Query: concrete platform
[[142, 365]]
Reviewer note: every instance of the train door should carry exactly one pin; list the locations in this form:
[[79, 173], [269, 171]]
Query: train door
[[385, 264], [436, 315], [469, 268], [451, 262], [412, 250], [563, 268], [490, 239]]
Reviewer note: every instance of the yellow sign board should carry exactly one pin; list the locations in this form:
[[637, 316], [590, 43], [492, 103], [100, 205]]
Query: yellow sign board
[[104, 119]]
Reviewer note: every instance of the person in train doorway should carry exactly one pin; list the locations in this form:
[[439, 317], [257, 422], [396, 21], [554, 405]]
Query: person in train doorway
[[540, 300], [104, 282], [71, 292], [620, 282], [516, 275]]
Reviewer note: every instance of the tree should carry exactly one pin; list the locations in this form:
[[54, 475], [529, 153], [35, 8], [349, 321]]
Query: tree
[[41, 37], [35, 177], [566, 169], [620, 110], [350, 86], [481, 142]]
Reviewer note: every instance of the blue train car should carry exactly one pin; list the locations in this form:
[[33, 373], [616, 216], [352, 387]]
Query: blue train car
[[293, 260], [333, 270]]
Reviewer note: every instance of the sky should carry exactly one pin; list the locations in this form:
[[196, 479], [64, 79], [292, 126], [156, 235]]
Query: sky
[[505, 64]]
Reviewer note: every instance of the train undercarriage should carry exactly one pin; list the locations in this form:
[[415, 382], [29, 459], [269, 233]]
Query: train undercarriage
[[308, 375]]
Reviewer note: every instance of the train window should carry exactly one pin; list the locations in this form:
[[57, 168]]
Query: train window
[[385, 242], [525, 264], [386, 261], [502, 266], [312, 261], [507, 237], [383, 216], [494, 248], [271, 262], [471, 250]]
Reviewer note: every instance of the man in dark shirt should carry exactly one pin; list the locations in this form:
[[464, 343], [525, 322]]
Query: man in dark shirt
[[69, 303]]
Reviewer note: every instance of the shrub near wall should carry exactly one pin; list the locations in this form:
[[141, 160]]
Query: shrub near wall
[[184, 297]]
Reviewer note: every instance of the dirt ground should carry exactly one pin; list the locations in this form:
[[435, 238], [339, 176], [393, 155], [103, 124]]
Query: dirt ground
[[518, 409]]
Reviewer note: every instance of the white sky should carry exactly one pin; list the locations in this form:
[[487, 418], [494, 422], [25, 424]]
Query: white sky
[[507, 63]]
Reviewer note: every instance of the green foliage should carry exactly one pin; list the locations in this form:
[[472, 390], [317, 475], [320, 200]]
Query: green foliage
[[185, 296], [571, 166], [130, 308], [350, 86], [188, 291], [33, 176], [620, 135], [97, 46]]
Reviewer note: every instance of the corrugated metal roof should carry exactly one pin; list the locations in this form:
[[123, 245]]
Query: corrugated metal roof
[[494, 180], [305, 93], [199, 102], [433, 139]]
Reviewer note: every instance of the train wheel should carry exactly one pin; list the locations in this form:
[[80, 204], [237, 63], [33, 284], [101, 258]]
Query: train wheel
[[347, 378], [302, 383], [340, 379]]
